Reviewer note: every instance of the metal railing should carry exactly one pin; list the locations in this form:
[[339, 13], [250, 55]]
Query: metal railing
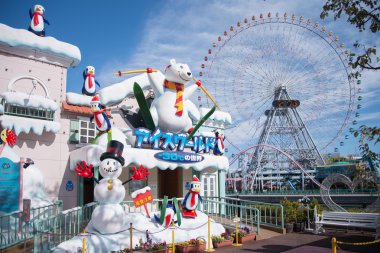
[[14, 229], [271, 215], [303, 192], [50, 231]]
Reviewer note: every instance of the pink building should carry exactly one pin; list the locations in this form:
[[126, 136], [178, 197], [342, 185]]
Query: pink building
[[54, 128]]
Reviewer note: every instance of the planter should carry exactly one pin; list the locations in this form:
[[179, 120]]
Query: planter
[[299, 227], [289, 227], [158, 251], [222, 244], [190, 248], [246, 238]]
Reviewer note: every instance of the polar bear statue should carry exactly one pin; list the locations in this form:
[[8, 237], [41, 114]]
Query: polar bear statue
[[171, 108]]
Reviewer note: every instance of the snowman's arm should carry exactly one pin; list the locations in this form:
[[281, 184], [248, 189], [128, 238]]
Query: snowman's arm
[[156, 80], [97, 83], [30, 13], [129, 180], [46, 21], [189, 91]]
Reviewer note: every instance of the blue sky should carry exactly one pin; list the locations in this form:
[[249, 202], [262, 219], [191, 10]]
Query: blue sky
[[122, 35]]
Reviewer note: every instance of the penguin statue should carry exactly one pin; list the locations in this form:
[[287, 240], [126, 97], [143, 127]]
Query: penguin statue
[[37, 23], [192, 198], [89, 81], [219, 144]]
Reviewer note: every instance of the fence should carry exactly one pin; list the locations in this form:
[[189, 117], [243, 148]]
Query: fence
[[271, 215], [303, 192], [49, 232], [14, 229]]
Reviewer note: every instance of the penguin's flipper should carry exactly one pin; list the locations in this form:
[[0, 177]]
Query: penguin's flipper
[[92, 118], [84, 74], [30, 13], [200, 198], [46, 21], [185, 199], [97, 83]]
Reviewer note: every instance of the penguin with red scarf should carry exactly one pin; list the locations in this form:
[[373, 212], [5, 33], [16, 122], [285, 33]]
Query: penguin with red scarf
[[37, 24], [219, 144], [89, 81], [102, 122], [192, 198]]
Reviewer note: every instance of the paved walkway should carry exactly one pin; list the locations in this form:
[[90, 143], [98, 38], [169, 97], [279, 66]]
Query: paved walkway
[[304, 243]]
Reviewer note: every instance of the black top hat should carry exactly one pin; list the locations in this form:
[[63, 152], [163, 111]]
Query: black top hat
[[114, 151]]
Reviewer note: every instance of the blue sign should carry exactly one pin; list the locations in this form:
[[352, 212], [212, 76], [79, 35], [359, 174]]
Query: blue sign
[[179, 157], [69, 186], [187, 186], [9, 185]]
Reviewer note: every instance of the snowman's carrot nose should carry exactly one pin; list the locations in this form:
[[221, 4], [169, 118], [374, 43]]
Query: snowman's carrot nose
[[205, 91], [119, 73]]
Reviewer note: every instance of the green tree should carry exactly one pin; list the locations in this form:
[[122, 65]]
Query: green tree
[[363, 14]]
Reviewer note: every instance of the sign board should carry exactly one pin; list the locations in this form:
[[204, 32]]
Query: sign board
[[179, 157], [187, 185], [9, 185], [26, 209], [142, 198], [236, 220]]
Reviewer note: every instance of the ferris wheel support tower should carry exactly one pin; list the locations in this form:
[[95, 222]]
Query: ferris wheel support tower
[[285, 129]]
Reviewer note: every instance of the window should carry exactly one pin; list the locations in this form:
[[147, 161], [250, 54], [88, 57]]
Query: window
[[135, 185], [27, 112], [82, 131]]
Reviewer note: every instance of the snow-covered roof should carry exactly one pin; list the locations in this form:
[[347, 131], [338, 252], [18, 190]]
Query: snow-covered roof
[[219, 116], [22, 124], [117, 92], [78, 99], [35, 101], [23, 38], [140, 191]]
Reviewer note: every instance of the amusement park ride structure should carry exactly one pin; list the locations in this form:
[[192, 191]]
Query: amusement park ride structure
[[285, 80]]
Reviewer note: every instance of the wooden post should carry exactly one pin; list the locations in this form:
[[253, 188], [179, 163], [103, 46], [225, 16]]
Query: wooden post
[[236, 220], [84, 250], [173, 243], [130, 237], [209, 249], [333, 245]]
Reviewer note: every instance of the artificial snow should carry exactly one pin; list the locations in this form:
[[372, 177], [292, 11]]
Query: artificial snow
[[146, 158], [140, 191], [192, 110], [189, 229], [10, 154], [26, 100], [91, 152], [117, 92], [78, 99], [23, 38], [22, 124], [34, 187], [219, 116]]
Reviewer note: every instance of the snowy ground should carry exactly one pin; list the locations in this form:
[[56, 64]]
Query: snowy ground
[[189, 229]]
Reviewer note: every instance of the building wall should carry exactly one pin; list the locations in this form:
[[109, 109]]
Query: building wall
[[50, 151]]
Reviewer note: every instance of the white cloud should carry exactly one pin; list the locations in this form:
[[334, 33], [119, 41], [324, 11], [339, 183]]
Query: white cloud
[[186, 30]]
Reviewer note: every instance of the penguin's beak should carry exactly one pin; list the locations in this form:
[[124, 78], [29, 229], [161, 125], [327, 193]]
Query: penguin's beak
[[91, 72], [38, 9], [196, 189], [93, 109]]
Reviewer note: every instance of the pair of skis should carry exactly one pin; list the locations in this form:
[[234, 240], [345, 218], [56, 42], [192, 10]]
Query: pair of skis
[[147, 117]]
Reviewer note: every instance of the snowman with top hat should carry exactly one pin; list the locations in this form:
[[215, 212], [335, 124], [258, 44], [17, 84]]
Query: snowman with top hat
[[108, 216], [192, 198]]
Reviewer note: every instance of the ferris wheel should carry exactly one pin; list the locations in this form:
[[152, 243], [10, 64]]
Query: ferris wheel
[[250, 61]]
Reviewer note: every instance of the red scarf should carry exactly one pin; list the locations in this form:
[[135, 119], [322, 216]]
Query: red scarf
[[35, 17], [179, 97], [90, 80], [97, 120], [194, 194], [221, 141]]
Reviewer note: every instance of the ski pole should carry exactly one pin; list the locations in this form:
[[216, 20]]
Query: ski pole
[[205, 91], [119, 73]]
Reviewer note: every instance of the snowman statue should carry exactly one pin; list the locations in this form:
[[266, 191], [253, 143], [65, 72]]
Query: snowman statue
[[108, 216]]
